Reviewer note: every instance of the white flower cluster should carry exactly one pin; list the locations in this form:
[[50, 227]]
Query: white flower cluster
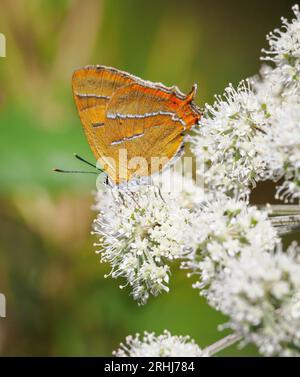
[[260, 292], [281, 86], [286, 146], [226, 228], [140, 232], [284, 51], [241, 138], [165, 345], [230, 141]]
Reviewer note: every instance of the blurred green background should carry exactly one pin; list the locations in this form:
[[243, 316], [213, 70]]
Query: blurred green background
[[58, 302]]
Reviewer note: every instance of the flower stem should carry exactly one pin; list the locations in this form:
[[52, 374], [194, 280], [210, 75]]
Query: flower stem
[[222, 344], [285, 220], [286, 224], [283, 209]]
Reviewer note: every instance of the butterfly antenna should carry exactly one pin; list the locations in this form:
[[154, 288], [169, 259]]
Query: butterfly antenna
[[106, 182], [87, 162], [74, 171]]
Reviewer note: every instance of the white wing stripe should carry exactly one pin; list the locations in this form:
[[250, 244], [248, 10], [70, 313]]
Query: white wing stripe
[[145, 115]]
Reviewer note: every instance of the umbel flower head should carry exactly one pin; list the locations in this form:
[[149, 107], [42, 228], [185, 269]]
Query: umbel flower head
[[260, 292], [231, 143], [283, 142], [280, 87], [286, 145], [226, 228], [165, 345], [235, 140], [140, 232], [284, 51]]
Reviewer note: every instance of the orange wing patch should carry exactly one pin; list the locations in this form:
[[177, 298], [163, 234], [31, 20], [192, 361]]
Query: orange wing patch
[[123, 113]]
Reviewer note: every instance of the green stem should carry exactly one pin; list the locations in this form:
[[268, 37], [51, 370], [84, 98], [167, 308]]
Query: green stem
[[285, 220], [286, 224], [283, 209], [292, 221], [221, 344]]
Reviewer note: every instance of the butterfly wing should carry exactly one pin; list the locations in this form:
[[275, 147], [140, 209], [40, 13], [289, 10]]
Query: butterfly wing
[[93, 87], [148, 122], [130, 122]]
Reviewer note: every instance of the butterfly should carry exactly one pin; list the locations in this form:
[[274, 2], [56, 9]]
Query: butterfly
[[131, 123]]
